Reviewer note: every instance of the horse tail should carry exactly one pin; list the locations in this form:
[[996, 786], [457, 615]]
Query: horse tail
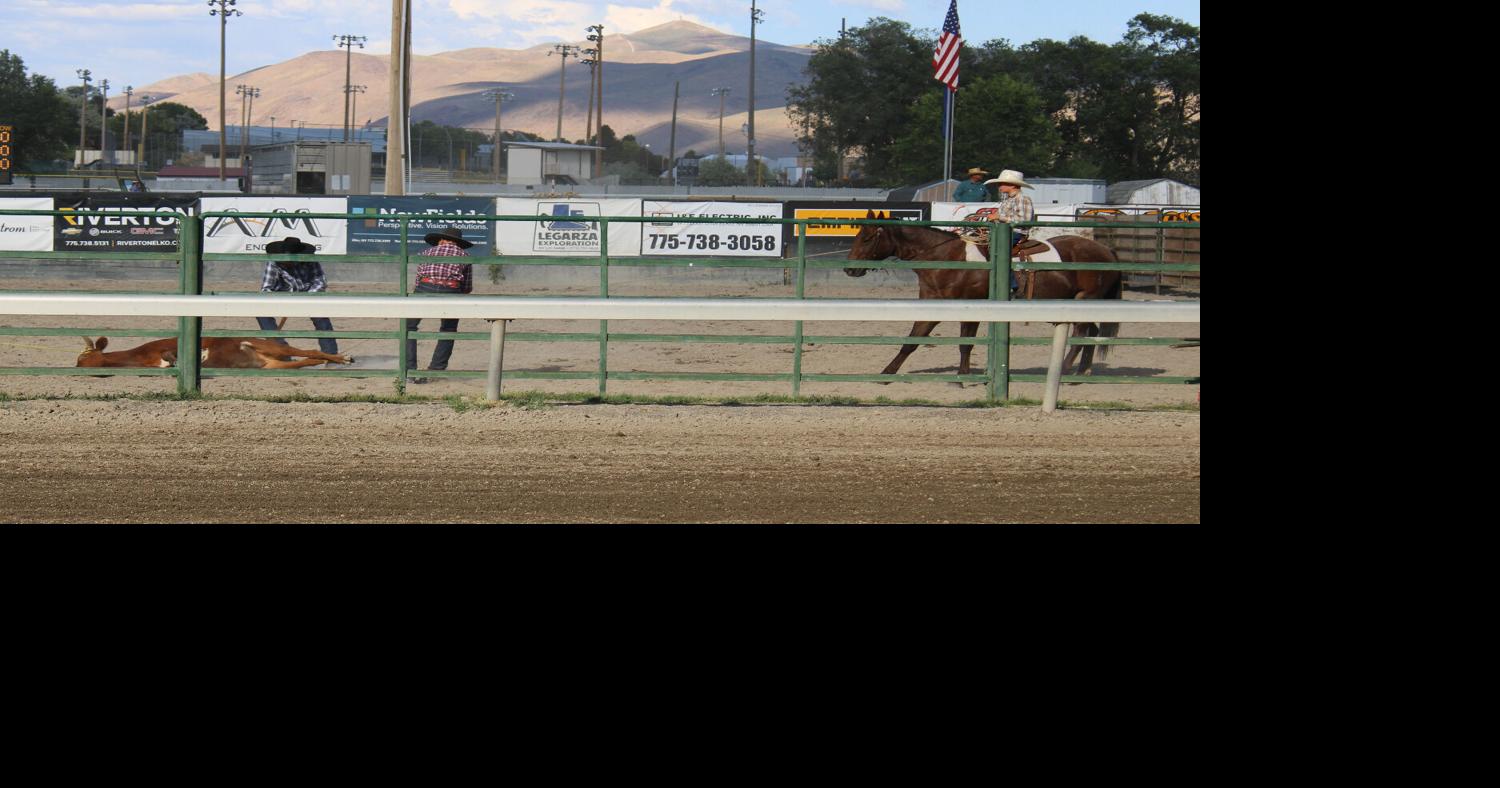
[[1116, 291]]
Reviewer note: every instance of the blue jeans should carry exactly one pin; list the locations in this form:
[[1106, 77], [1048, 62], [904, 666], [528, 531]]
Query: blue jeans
[[325, 344], [444, 349], [1015, 238]]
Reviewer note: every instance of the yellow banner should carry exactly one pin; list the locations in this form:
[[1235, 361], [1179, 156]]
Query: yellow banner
[[844, 230]]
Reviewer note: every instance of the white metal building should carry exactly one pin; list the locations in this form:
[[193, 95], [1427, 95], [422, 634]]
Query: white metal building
[[537, 163], [1157, 191]]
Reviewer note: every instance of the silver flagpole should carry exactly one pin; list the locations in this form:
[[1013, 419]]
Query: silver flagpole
[[948, 150]]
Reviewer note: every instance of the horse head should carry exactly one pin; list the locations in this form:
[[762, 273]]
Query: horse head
[[874, 242]]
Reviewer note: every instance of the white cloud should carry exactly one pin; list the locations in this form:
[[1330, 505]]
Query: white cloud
[[629, 19]]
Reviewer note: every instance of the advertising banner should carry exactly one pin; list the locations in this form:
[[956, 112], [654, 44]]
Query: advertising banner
[[377, 235], [711, 240], [831, 237], [97, 223], [564, 229], [26, 233], [249, 235]]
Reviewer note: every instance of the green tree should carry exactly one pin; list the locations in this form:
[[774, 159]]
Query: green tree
[[860, 95], [38, 111], [1001, 125], [718, 172]]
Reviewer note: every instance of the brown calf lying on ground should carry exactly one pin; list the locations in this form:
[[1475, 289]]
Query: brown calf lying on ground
[[230, 352]]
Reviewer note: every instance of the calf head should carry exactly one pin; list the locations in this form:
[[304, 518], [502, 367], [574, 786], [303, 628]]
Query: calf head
[[93, 353]]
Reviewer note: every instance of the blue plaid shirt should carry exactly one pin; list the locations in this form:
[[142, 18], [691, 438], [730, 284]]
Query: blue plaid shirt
[[293, 278]]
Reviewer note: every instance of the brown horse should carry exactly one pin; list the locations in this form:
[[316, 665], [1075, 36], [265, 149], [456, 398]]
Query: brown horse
[[903, 242]]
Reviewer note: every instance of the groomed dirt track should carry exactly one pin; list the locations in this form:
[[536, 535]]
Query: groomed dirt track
[[129, 461]]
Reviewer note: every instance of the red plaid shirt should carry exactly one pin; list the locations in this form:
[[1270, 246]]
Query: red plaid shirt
[[462, 273]]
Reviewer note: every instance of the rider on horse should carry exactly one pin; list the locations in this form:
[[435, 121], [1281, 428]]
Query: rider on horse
[[1014, 207]]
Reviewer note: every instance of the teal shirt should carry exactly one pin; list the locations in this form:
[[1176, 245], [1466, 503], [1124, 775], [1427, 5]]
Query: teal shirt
[[969, 191]]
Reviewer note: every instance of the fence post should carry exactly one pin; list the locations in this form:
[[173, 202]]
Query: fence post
[[190, 329], [603, 293], [1060, 334], [497, 359], [801, 295], [402, 362], [999, 332]]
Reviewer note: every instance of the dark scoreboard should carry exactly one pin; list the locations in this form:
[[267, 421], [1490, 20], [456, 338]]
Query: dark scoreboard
[[5, 155]]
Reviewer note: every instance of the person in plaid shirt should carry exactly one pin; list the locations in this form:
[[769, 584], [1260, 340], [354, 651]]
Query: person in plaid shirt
[[1014, 207], [453, 278], [296, 277]]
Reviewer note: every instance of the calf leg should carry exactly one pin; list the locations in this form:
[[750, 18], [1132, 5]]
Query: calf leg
[[267, 362], [284, 352], [918, 329]]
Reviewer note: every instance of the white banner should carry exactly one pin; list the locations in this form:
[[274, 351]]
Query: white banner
[[26, 233], [565, 231], [249, 235], [711, 240]]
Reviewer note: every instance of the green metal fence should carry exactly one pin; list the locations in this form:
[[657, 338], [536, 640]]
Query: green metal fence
[[997, 377]]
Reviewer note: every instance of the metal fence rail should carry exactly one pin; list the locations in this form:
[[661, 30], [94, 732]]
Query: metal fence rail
[[997, 377]]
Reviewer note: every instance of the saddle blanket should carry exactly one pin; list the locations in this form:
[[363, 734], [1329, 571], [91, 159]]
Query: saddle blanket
[[974, 255]]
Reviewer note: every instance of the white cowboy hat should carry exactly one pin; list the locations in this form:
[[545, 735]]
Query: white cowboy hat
[[1011, 177]]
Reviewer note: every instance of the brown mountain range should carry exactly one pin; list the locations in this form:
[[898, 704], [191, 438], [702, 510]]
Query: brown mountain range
[[447, 88]]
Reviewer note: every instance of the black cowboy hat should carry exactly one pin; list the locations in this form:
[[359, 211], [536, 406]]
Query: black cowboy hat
[[451, 234], [290, 245]]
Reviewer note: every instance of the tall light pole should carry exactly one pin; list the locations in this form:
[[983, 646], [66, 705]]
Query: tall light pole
[[273, 129], [129, 91], [596, 35], [721, 93], [347, 42], [224, 11], [499, 97], [567, 51], [756, 17], [83, 107]]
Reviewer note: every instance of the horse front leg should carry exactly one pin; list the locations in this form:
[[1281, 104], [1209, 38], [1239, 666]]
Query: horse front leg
[[918, 329]]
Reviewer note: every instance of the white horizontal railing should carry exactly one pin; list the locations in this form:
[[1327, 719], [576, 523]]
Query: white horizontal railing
[[510, 308], [500, 308]]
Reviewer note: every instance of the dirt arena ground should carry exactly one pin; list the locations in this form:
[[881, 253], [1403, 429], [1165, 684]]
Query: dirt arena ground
[[126, 461]]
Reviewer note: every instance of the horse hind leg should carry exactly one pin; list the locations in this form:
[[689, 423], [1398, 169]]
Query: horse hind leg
[[1086, 364], [918, 329], [966, 330]]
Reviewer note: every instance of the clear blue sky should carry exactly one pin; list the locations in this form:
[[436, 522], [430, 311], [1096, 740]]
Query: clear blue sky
[[137, 43]]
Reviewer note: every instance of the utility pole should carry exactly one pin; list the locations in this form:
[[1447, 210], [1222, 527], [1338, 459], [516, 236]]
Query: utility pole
[[672, 150], [83, 108], [721, 93], [347, 42], [566, 51], [242, 90], [395, 123], [129, 90], [140, 152], [756, 17], [590, 59], [273, 129], [597, 36], [499, 97], [354, 91], [104, 127], [224, 11]]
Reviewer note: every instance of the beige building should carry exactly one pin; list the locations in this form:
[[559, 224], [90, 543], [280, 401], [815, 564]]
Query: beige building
[[550, 163]]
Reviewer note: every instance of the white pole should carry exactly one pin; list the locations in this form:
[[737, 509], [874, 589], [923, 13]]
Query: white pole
[[497, 359], [1060, 334]]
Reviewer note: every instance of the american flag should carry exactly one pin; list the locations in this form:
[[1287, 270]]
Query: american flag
[[945, 57]]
